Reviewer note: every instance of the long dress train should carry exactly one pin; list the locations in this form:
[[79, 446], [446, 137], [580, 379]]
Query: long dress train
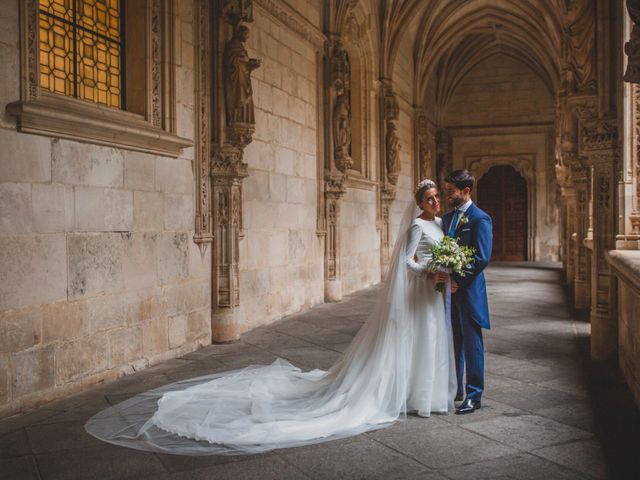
[[401, 360]]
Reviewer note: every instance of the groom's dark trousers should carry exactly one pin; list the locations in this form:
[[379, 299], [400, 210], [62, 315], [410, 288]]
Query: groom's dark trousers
[[469, 306]]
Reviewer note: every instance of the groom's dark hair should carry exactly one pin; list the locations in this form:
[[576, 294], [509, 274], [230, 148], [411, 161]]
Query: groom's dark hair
[[461, 179]]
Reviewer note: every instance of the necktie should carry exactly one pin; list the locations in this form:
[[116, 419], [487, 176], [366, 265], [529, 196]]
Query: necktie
[[454, 222]]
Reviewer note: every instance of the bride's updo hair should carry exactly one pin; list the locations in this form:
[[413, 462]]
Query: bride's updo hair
[[422, 187]]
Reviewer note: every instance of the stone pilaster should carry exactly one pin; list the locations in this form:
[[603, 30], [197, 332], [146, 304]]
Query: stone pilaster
[[581, 294], [598, 142], [389, 167]]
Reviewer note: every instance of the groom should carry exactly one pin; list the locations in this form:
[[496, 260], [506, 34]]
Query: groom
[[469, 307]]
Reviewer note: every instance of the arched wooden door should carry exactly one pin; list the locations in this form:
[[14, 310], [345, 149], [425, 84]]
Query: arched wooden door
[[502, 193]]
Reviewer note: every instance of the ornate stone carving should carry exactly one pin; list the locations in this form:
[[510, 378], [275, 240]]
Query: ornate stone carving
[[227, 172], [598, 135], [204, 215], [444, 155], [156, 71], [392, 143], [341, 114], [235, 11], [424, 159], [632, 47], [634, 218], [581, 29], [238, 92]]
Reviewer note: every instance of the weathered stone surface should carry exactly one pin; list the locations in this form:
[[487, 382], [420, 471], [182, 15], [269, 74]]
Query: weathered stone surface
[[125, 345], [80, 358], [34, 270], [145, 305], [65, 321], [95, 263], [25, 158], [155, 336], [173, 256], [199, 325], [177, 330], [15, 208], [178, 213], [174, 176], [106, 312], [103, 209], [20, 329], [85, 164], [33, 370], [139, 171], [139, 260], [148, 211], [53, 208]]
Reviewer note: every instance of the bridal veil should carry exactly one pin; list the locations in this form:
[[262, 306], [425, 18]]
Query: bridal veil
[[260, 408]]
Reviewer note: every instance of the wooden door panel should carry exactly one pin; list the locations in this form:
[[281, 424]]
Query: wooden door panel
[[502, 193]]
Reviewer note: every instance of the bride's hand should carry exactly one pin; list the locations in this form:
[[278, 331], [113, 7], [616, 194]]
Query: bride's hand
[[441, 277], [454, 286]]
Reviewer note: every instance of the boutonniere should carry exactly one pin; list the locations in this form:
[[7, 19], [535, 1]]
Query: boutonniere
[[463, 220]]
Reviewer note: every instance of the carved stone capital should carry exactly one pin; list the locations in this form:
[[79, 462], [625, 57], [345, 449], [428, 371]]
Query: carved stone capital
[[598, 135], [227, 162], [335, 184], [240, 134]]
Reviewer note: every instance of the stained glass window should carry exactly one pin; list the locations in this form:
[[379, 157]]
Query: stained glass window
[[82, 50]]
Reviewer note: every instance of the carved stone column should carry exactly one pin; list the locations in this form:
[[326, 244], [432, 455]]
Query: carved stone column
[[231, 128], [581, 284], [338, 160], [389, 167], [568, 196], [598, 142]]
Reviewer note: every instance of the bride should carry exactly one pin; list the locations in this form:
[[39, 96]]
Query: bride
[[400, 361]]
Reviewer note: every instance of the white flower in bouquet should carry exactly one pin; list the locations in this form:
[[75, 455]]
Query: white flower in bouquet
[[450, 257]]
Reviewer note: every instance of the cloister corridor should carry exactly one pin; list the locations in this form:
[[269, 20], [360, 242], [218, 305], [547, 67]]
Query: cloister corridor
[[547, 414]]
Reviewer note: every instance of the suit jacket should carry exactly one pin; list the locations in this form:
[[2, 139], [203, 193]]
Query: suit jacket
[[471, 296]]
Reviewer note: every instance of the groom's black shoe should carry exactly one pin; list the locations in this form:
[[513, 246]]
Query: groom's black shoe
[[468, 406]]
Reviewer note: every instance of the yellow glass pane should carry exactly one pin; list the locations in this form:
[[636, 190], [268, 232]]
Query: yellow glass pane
[[60, 8], [99, 73], [100, 16], [56, 56]]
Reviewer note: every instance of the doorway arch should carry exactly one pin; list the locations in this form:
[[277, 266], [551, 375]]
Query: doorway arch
[[503, 193]]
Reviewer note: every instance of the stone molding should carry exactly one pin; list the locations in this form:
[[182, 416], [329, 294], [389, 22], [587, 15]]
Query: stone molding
[[293, 20], [203, 78], [44, 113]]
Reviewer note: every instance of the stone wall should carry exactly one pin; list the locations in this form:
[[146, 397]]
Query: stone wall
[[626, 265], [100, 275], [281, 255]]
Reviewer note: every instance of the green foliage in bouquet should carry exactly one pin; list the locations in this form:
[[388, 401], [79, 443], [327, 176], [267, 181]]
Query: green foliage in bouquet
[[448, 256]]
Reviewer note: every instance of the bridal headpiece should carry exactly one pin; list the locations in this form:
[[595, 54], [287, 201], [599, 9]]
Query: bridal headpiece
[[425, 183]]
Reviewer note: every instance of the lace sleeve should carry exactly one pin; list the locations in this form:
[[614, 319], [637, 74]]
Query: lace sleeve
[[413, 239]]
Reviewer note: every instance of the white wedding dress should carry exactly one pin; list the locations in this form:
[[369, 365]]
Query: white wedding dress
[[400, 361]]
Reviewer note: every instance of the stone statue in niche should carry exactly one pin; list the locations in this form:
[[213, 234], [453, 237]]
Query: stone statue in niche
[[581, 30], [424, 155], [392, 143], [342, 130], [237, 78]]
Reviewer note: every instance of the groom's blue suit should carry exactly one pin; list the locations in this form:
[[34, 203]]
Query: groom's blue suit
[[469, 306]]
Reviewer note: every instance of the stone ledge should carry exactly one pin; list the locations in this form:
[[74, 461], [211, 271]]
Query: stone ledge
[[626, 266], [77, 120]]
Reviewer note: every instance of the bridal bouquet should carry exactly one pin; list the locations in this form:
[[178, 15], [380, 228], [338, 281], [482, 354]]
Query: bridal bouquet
[[448, 256]]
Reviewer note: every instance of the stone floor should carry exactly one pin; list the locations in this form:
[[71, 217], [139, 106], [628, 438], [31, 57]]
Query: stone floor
[[540, 418]]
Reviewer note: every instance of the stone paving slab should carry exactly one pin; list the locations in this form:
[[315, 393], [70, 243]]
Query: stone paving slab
[[537, 420]]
